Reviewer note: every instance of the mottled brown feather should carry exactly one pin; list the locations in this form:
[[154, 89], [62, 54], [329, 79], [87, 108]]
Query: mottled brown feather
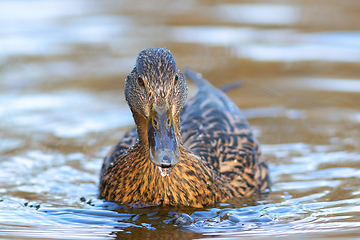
[[220, 158]]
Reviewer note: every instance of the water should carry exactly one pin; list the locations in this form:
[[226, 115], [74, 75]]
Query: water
[[62, 71]]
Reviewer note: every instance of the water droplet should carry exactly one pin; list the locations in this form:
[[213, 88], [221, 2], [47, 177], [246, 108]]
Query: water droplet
[[165, 171]]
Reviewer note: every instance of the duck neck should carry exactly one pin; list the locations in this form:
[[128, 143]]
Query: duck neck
[[141, 128]]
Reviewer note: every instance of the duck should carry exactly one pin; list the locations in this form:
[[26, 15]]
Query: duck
[[195, 153]]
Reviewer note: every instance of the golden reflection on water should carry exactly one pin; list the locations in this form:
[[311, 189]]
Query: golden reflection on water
[[62, 70]]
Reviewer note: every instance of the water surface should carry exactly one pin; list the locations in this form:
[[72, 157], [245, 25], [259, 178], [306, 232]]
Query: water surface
[[62, 70]]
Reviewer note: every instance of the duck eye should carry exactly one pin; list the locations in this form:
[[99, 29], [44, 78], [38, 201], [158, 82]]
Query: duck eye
[[176, 78], [140, 81]]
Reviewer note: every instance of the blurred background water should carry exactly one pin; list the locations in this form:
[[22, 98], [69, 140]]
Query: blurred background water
[[62, 70]]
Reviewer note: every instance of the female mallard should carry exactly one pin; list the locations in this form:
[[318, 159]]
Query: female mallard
[[215, 158]]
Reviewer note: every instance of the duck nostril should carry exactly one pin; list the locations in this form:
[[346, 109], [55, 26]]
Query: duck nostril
[[155, 123]]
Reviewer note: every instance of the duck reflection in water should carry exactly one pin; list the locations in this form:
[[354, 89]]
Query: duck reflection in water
[[194, 153]]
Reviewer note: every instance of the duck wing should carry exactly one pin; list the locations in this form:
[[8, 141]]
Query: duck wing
[[127, 142], [214, 128]]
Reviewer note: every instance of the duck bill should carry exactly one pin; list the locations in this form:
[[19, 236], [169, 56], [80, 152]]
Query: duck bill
[[164, 148]]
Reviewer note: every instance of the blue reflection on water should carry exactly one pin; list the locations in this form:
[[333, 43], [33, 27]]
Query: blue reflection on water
[[275, 45], [262, 14]]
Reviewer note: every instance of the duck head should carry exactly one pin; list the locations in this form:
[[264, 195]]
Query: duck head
[[155, 91]]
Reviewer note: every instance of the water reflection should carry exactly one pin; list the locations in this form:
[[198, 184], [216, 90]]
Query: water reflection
[[45, 112], [303, 52], [275, 45], [262, 14], [334, 85], [63, 65]]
